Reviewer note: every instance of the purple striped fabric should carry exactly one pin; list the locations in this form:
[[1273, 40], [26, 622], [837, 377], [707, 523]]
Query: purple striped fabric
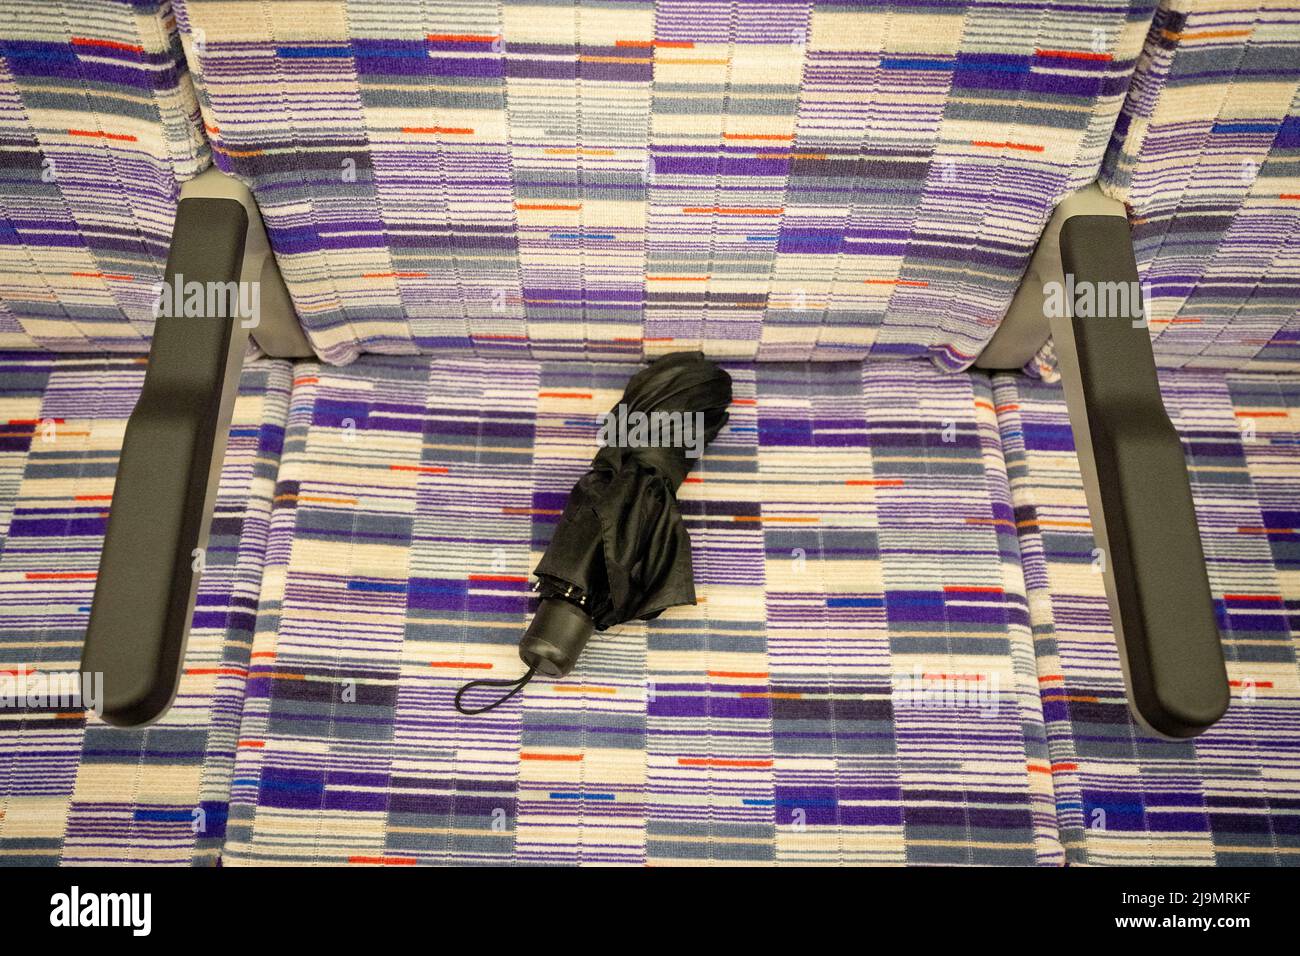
[[856, 683], [98, 124], [1231, 796], [72, 789], [763, 180], [901, 653], [1205, 154]]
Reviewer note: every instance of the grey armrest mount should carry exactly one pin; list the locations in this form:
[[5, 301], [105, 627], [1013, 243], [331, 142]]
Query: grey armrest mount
[[1134, 470], [175, 441]]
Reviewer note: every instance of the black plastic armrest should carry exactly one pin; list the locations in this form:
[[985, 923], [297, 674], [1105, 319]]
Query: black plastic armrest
[[166, 482], [1164, 613]]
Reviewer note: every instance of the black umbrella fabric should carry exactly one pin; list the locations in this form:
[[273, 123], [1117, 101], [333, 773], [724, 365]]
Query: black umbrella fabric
[[620, 551]]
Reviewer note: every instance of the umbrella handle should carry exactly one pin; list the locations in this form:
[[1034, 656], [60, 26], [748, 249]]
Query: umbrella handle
[[516, 686], [566, 629], [559, 632]]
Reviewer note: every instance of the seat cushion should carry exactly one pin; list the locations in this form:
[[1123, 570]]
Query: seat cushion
[[856, 683], [1205, 154], [99, 124], [1231, 796], [72, 789], [781, 181]]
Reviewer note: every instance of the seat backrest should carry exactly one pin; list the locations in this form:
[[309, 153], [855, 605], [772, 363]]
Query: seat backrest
[[99, 124], [763, 180], [1206, 154]]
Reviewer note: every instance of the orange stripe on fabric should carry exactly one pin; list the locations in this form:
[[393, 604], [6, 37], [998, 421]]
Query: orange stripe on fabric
[[108, 44], [461, 38], [1028, 147], [237, 153], [566, 758], [1204, 34], [1001, 521], [583, 689], [468, 665], [1073, 55], [658, 44], [383, 860], [98, 134]]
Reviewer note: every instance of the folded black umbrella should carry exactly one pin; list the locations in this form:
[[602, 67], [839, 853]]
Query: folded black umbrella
[[620, 551]]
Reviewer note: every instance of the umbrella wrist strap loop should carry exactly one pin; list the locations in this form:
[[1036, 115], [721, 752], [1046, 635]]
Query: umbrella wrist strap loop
[[515, 687]]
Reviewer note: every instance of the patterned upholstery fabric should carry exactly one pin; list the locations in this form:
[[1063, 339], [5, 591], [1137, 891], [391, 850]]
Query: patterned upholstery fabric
[[73, 789], [98, 124], [1207, 156], [1232, 796], [774, 180], [856, 683], [901, 653]]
